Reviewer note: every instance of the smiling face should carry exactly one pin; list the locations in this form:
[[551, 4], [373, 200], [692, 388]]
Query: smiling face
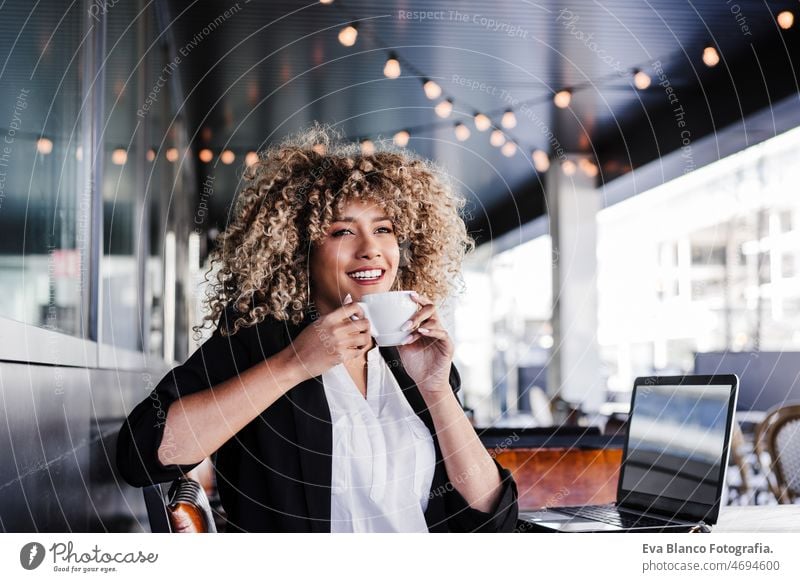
[[359, 255]]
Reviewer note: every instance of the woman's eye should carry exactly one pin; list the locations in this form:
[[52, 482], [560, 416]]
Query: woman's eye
[[341, 232], [385, 229]]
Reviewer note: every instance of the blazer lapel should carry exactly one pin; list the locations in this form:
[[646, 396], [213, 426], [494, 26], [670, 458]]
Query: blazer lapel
[[312, 419], [435, 515]]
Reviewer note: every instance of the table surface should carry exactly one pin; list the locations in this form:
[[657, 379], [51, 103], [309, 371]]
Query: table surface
[[758, 518]]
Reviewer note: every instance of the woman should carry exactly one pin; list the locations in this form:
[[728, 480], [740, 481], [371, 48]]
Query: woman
[[313, 427]]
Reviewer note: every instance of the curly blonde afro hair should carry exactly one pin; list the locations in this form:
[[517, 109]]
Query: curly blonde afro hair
[[287, 205]]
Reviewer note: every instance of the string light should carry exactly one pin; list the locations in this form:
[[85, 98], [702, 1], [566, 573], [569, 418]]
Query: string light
[[710, 56], [562, 98], [205, 155], [348, 35], [431, 88], [119, 156], [44, 146], [227, 157], [540, 161], [79, 153], [326, 1], [462, 132], [320, 148], [401, 138], [251, 159], [444, 108], [392, 67], [509, 120], [367, 147], [497, 138], [641, 80], [150, 155], [785, 19], [172, 155], [482, 122]]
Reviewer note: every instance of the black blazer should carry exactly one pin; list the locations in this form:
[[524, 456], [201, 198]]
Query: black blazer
[[275, 474]]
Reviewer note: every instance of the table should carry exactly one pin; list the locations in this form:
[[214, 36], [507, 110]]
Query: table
[[758, 518]]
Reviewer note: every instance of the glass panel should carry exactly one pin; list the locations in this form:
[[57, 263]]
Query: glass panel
[[123, 159], [142, 190], [40, 164]]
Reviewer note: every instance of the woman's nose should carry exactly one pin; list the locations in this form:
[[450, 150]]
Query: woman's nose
[[368, 247]]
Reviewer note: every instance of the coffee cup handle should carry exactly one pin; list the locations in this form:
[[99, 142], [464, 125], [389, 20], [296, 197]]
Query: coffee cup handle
[[363, 306]]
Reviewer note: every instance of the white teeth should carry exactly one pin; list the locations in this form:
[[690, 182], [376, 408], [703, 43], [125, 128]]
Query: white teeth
[[373, 274]]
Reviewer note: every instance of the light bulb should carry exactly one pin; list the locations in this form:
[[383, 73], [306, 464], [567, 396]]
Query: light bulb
[[444, 108], [367, 147], [348, 35], [497, 138], [171, 154], [562, 98], [462, 132], [641, 80], [710, 56], [569, 168], [119, 156], [482, 122], [401, 138], [205, 155], [540, 160], [509, 149], [392, 67], [227, 157], [509, 120], [431, 88], [251, 159], [785, 19], [587, 167], [44, 146]]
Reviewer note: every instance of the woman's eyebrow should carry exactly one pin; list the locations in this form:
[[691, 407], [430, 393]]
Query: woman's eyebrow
[[351, 219]]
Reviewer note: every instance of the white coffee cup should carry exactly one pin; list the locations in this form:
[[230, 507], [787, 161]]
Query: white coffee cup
[[387, 312]]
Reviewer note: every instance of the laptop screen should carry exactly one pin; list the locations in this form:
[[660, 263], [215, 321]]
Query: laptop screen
[[678, 438]]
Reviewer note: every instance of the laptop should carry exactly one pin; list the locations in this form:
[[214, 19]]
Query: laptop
[[673, 465]]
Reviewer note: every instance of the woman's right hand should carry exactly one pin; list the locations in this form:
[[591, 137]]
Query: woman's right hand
[[331, 339]]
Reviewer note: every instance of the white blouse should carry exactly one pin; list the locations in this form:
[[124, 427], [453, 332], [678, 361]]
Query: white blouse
[[383, 455]]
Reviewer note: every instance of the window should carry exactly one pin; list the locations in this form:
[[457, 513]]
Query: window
[[43, 186]]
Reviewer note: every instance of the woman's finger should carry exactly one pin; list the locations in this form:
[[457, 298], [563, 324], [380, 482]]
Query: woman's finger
[[421, 299], [424, 314], [434, 333], [411, 339], [346, 312]]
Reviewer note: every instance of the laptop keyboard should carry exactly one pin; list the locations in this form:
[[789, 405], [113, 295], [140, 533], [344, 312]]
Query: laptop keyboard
[[612, 515]]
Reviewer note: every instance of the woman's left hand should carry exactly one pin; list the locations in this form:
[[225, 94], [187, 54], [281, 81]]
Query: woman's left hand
[[428, 353]]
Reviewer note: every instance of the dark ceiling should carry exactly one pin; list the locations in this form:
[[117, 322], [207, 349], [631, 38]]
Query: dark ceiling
[[271, 68]]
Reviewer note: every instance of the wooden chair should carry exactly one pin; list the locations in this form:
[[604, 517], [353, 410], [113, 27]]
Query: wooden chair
[[739, 486], [777, 443], [184, 509]]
